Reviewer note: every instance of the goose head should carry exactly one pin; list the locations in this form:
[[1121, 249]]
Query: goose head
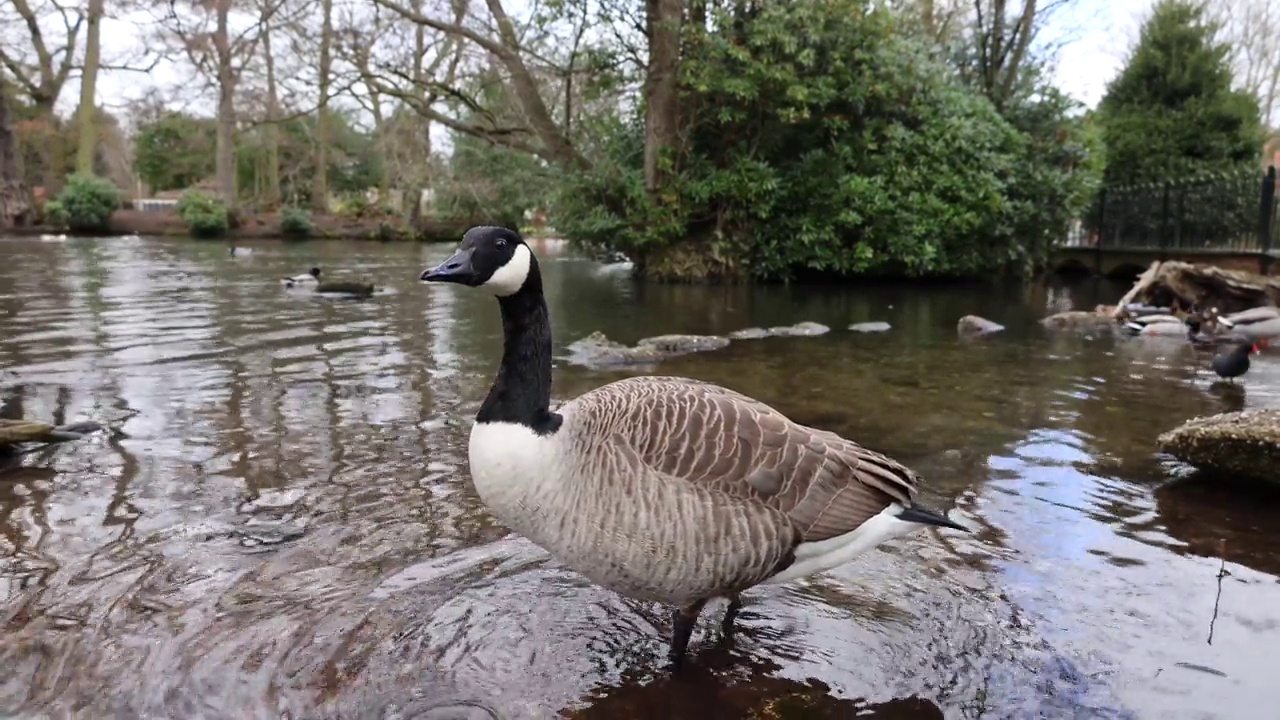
[[493, 259]]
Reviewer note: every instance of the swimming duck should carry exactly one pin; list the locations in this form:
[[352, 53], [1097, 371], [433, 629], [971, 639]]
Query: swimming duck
[[1155, 324], [312, 276], [1252, 324], [665, 489]]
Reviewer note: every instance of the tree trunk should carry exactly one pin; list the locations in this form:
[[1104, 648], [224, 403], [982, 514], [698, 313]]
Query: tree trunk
[[86, 148], [272, 131], [320, 178], [225, 152], [661, 92], [15, 203]]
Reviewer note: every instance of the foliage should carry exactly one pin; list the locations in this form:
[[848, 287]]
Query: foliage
[[354, 165], [55, 214], [88, 201], [1172, 108], [175, 151], [205, 215], [822, 140], [295, 222], [359, 206], [489, 183]]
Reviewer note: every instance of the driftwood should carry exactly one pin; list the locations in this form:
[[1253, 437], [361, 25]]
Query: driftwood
[[16, 433], [1184, 286]]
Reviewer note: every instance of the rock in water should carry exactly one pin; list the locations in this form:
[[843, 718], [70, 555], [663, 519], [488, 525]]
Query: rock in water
[[804, 329], [870, 327], [1243, 444], [596, 350], [1080, 320], [973, 326], [751, 333]]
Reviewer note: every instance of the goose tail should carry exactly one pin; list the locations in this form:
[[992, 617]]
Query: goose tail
[[924, 516]]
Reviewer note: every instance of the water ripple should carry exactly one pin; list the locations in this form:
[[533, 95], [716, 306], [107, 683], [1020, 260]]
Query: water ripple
[[280, 522]]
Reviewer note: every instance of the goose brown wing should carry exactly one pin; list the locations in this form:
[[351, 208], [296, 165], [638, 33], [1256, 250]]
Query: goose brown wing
[[702, 433]]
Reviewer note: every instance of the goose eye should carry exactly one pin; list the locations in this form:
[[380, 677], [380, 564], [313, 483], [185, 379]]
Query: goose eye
[[502, 242]]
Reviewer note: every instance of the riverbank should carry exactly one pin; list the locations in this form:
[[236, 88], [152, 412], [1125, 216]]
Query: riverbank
[[266, 226]]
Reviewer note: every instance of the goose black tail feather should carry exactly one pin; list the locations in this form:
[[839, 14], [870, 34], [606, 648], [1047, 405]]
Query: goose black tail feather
[[925, 516]]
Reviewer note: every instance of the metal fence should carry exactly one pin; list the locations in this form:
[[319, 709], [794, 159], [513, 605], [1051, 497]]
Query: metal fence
[[1234, 212]]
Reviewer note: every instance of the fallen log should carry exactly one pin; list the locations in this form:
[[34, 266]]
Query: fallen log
[[1189, 287]]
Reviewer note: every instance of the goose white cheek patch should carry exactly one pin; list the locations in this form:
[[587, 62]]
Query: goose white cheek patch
[[509, 278]]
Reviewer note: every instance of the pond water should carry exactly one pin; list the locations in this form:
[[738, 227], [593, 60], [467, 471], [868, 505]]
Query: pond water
[[280, 522]]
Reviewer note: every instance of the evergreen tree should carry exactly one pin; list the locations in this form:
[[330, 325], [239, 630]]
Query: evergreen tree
[[1172, 109]]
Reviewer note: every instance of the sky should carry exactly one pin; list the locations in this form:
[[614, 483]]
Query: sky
[[1097, 33]]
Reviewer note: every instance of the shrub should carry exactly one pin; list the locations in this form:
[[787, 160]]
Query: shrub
[[205, 215], [86, 202], [55, 214], [295, 222]]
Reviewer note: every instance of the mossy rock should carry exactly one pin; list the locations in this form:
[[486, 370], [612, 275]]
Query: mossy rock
[[1243, 444]]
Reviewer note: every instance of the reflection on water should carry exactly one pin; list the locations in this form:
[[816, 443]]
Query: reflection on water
[[280, 522]]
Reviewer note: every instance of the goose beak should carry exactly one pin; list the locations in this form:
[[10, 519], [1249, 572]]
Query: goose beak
[[457, 269]]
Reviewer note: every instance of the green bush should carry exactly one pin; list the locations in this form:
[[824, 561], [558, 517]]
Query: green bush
[[55, 214], [87, 201], [205, 215], [295, 222]]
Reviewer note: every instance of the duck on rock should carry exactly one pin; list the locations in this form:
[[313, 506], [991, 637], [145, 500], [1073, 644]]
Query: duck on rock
[[664, 489]]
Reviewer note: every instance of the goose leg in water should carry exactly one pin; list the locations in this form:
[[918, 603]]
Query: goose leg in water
[[682, 622], [730, 614]]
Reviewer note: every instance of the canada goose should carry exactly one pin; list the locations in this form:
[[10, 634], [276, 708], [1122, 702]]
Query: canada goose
[[663, 489], [311, 276]]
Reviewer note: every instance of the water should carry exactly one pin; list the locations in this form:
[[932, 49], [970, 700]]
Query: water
[[281, 524]]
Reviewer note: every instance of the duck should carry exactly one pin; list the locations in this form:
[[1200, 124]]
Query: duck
[[660, 488], [1156, 324], [1252, 324], [311, 276], [1233, 363]]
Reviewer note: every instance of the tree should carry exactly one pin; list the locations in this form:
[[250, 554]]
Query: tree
[[88, 141], [1252, 31], [42, 77], [14, 201], [175, 151], [1172, 108]]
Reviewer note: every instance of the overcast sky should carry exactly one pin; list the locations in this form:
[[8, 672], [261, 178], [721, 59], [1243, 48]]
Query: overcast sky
[[1099, 34]]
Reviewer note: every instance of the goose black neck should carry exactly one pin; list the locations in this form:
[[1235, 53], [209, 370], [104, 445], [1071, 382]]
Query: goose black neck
[[522, 391]]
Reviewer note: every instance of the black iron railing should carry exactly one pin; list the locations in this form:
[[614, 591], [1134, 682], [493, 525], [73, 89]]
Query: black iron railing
[[1231, 212]]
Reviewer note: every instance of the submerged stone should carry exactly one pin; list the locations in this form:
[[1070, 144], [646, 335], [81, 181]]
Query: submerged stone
[[870, 327], [974, 326], [597, 350], [803, 329], [1243, 444]]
